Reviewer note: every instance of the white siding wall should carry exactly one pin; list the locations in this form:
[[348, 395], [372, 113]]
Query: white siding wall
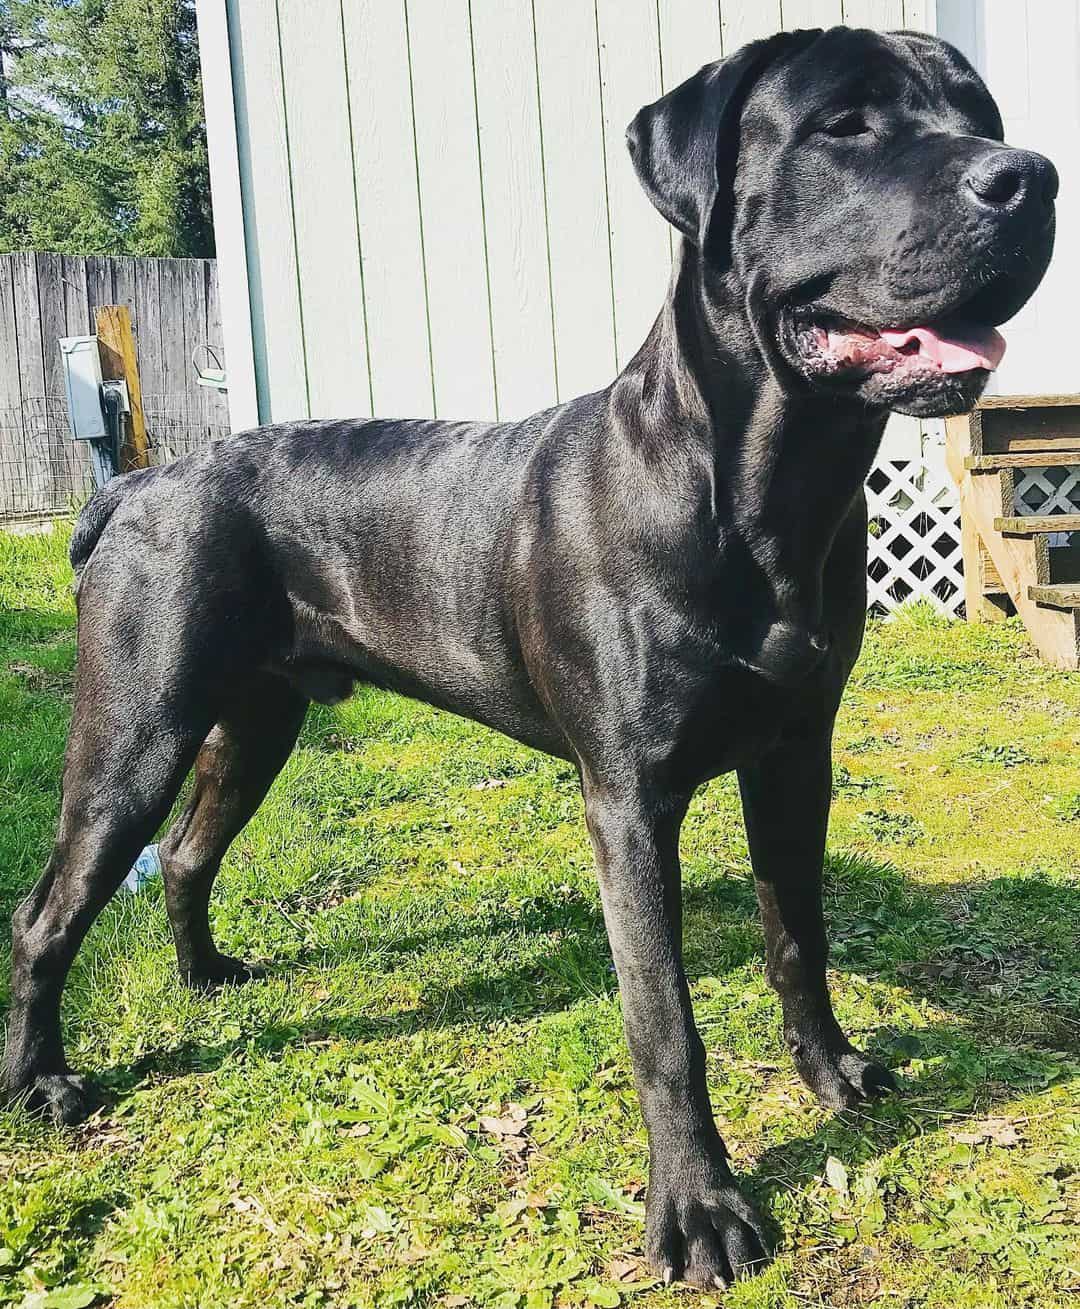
[[1029, 53], [440, 215]]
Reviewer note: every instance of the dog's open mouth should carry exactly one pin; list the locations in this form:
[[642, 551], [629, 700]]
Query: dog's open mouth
[[829, 346]]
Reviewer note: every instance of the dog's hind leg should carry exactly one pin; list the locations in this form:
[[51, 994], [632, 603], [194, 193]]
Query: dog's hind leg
[[126, 760], [233, 772]]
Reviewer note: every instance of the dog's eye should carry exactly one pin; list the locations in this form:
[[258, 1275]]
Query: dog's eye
[[849, 124]]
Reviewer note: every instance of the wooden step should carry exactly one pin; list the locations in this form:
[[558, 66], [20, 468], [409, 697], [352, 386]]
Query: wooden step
[[1026, 459], [1023, 425], [1021, 559], [1028, 401], [1036, 524], [1066, 595]]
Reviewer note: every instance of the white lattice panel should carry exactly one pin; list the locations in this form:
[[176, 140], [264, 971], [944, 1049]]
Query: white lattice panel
[[1049, 491], [914, 534], [915, 526]]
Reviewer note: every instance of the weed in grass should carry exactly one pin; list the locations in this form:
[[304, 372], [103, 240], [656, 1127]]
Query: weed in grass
[[1066, 808], [1006, 755], [891, 828]]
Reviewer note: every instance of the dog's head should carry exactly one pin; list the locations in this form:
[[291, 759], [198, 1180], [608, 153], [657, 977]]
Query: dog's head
[[856, 187]]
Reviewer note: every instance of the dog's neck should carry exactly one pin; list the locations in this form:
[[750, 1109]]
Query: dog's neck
[[784, 464]]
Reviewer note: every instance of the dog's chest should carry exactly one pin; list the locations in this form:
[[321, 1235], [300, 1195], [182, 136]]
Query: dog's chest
[[734, 716]]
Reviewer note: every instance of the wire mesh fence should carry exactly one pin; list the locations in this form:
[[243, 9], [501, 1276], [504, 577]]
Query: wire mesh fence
[[44, 472]]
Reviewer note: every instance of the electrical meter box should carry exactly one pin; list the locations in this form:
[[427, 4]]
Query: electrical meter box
[[82, 381]]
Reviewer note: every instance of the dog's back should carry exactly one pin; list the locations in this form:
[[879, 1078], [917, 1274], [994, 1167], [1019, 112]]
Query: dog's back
[[97, 511]]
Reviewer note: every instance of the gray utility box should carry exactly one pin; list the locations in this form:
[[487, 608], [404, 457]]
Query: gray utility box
[[82, 381]]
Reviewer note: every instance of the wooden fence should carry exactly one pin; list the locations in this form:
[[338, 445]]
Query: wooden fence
[[175, 315]]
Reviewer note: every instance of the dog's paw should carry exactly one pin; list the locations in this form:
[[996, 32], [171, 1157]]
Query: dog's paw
[[700, 1228], [221, 970], [63, 1098], [839, 1075]]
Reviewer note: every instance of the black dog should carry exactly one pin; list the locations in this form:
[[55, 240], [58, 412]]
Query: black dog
[[660, 582]]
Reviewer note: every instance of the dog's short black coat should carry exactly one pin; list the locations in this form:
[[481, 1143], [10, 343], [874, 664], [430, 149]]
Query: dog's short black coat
[[660, 582]]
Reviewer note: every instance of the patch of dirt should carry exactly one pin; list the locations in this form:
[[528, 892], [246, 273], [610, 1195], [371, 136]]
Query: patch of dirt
[[42, 679]]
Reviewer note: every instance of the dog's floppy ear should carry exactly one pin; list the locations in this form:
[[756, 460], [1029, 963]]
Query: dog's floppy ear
[[684, 146]]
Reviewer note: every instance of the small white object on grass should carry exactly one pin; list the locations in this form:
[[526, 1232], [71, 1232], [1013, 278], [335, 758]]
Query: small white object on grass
[[144, 870]]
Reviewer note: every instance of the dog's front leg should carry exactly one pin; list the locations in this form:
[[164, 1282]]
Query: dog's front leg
[[786, 796], [699, 1227]]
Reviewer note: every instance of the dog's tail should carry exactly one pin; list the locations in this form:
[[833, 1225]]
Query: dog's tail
[[96, 513]]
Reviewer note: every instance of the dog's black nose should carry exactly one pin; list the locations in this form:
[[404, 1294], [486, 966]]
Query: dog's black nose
[[1012, 180]]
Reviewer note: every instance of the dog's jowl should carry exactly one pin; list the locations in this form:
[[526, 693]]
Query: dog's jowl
[[660, 582]]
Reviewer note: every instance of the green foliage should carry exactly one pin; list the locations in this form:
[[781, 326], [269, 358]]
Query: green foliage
[[1065, 807], [428, 1102], [892, 828], [102, 139], [1007, 754]]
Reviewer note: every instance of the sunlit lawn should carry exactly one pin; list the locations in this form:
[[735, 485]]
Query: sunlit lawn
[[429, 1101]]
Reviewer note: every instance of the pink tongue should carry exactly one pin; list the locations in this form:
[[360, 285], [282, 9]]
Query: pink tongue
[[976, 347]]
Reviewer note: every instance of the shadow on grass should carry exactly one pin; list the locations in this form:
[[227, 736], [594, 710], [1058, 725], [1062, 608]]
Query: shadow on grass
[[977, 951], [993, 1048], [1004, 993]]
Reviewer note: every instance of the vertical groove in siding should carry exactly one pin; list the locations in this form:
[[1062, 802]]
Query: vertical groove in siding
[[483, 211], [356, 206], [256, 307], [420, 209], [292, 201], [547, 219], [607, 190], [663, 91]]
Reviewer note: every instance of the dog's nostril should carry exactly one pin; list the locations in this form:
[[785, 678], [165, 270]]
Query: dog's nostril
[[998, 189], [1007, 179]]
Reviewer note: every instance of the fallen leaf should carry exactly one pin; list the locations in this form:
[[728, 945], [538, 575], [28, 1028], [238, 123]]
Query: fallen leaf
[[415, 1254], [836, 1174], [998, 1131], [625, 1270], [511, 1124]]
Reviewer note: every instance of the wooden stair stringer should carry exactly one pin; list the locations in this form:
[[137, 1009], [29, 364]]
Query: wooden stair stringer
[[1021, 561]]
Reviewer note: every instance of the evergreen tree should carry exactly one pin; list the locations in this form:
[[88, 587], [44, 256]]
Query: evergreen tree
[[102, 138]]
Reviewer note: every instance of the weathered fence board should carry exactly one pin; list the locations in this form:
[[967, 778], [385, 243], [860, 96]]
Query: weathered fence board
[[10, 389], [174, 310], [148, 330]]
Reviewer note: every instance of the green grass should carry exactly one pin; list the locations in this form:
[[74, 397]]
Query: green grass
[[425, 892]]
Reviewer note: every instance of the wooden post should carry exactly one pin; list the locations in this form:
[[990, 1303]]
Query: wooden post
[[984, 597], [116, 346], [984, 591]]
